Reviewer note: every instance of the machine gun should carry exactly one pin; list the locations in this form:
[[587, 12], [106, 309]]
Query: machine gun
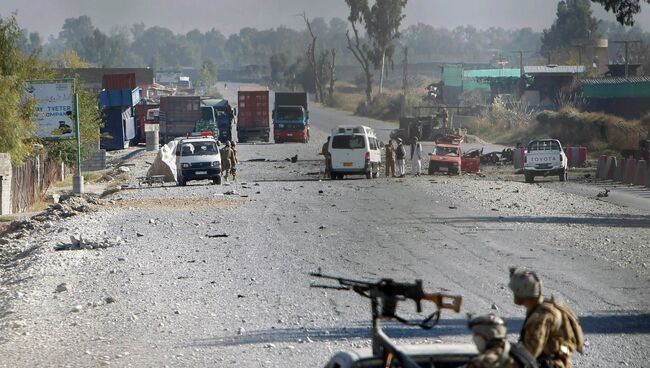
[[384, 296]]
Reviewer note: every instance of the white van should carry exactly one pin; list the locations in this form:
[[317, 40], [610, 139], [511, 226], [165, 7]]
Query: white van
[[198, 158], [355, 150]]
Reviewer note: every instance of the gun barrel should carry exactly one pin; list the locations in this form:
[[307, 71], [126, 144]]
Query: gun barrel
[[319, 286], [341, 280]]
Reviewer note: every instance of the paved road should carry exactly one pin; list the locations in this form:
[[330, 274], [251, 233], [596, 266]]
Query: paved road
[[187, 295]]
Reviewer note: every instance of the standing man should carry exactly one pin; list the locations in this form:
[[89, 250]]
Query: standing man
[[235, 160], [416, 157], [400, 156], [325, 151], [445, 117], [551, 331], [227, 159], [490, 336], [390, 159]]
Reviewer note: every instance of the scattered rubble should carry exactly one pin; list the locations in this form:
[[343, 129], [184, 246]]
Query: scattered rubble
[[78, 243]]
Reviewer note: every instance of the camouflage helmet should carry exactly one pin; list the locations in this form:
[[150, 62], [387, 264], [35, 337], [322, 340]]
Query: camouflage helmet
[[232, 143], [524, 283], [490, 326]]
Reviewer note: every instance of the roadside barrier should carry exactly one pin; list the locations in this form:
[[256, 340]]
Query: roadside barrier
[[619, 173], [601, 168], [641, 173], [576, 156], [518, 155], [610, 168], [630, 171]]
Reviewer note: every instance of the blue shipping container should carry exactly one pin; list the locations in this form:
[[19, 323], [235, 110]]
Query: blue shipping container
[[119, 127], [119, 97]]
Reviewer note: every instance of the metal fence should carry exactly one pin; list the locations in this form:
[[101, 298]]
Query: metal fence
[[31, 180]]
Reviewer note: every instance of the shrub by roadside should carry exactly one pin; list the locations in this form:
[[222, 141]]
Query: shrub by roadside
[[596, 131], [600, 133]]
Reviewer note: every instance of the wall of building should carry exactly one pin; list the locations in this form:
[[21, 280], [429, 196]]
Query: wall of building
[[5, 184], [96, 162]]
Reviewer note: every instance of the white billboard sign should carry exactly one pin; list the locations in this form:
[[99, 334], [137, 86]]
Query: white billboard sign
[[54, 100]]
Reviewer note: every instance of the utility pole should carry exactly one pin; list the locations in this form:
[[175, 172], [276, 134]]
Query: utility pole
[[77, 180], [521, 59], [627, 56], [405, 64]]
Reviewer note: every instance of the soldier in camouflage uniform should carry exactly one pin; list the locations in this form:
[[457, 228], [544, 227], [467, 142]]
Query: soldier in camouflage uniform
[[235, 160], [227, 158], [325, 151], [494, 349], [551, 331]]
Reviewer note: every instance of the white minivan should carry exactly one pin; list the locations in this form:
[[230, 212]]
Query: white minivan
[[354, 150], [198, 158]]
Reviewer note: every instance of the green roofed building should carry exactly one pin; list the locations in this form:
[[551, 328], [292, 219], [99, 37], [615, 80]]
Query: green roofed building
[[487, 82], [625, 97], [491, 79]]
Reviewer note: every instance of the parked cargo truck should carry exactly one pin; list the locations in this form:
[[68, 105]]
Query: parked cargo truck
[[253, 115], [178, 116], [291, 117], [222, 114]]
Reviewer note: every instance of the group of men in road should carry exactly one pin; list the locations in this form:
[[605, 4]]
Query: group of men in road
[[396, 155], [549, 336]]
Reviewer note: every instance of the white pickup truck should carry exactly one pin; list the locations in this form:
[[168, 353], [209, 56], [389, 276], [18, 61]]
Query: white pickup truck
[[545, 157]]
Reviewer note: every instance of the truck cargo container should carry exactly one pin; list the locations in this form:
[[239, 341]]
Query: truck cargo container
[[178, 116], [291, 117], [119, 97], [220, 112], [118, 129], [253, 115], [119, 81], [145, 114]]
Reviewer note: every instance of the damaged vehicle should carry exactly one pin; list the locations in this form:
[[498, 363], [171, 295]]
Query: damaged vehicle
[[449, 159]]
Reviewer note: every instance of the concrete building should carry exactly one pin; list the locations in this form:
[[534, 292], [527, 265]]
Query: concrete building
[[543, 84], [5, 184]]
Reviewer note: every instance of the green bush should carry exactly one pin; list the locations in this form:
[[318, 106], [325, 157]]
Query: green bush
[[383, 107]]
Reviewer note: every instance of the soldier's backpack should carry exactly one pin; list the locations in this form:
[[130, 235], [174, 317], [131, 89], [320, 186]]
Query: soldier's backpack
[[570, 333], [522, 356]]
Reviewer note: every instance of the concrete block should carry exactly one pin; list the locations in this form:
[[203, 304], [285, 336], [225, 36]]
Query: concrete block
[[601, 171], [630, 171], [518, 158], [610, 168], [96, 162], [5, 164], [619, 174], [640, 174]]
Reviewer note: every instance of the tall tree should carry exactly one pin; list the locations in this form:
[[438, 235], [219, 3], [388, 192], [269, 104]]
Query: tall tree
[[75, 29], [278, 64], [381, 22], [574, 23], [208, 73], [359, 12], [625, 10], [383, 28], [313, 61], [16, 112]]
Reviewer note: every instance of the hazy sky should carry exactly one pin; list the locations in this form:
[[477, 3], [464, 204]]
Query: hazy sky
[[228, 16]]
